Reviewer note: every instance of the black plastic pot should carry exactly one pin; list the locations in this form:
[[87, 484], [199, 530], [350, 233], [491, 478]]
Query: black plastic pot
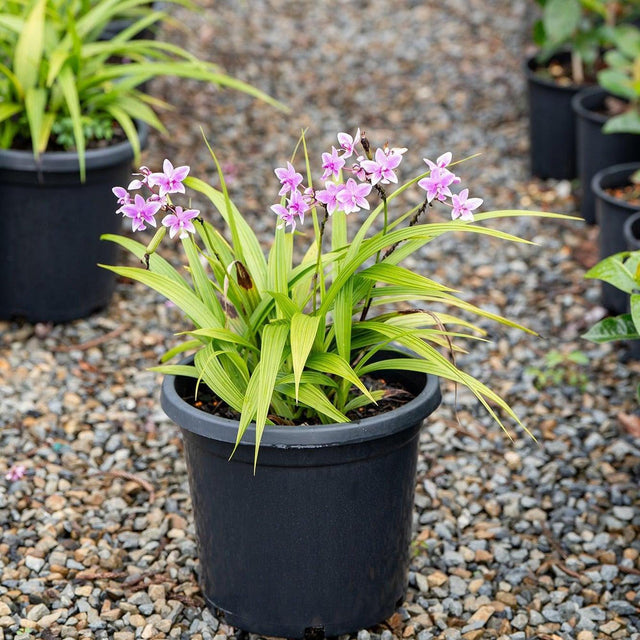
[[319, 537], [597, 150], [612, 214], [632, 231], [50, 231], [552, 136]]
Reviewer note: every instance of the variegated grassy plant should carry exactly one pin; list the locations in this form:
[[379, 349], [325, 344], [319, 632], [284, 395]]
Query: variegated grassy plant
[[60, 82], [295, 340]]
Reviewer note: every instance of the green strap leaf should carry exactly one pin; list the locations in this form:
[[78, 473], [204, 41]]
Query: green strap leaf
[[342, 322], [336, 365], [251, 249], [201, 282], [182, 297], [303, 333], [394, 274], [157, 263], [35, 102], [30, 47], [211, 370], [176, 370], [261, 386], [313, 397], [223, 335], [67, 82]]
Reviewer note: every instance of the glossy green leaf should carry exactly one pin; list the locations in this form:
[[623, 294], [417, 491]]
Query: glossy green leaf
[[635, 310], [609, 329], [628, 122], [613, 270], [561, 18]]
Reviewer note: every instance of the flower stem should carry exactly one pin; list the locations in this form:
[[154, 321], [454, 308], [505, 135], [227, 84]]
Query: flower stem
[[316, 275]]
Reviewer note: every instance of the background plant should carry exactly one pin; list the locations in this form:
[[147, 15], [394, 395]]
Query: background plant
[[622, 79], [621, 270], [289, 343], [561, 368], [582, 27], [56, 73]]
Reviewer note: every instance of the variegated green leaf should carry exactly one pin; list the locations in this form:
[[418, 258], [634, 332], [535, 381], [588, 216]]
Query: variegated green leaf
[[303, 335]]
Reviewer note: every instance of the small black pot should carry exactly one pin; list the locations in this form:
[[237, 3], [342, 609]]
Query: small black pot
[[319, 537], [597, 150], [50, 231], [552, 136], [611, 215]]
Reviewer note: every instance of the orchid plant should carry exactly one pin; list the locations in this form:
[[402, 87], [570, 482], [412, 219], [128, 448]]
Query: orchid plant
[[292, 343]]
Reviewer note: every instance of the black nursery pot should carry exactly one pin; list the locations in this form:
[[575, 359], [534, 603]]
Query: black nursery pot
[[552, 136], [632, 231], [612, 214], [597, 150], [50, 231], [318, 539]]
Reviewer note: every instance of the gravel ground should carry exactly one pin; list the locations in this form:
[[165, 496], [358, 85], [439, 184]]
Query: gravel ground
[[512, 539]]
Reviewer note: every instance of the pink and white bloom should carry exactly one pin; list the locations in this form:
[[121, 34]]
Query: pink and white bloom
[[437, 183], [463, 205], [329, 196], [16, 473], [287, 217], [124, 197], [180, 222], [382, 168], [352, 196], [298, 205], [348, 144], [289, 179], [137, 183], [332, 164], [357, 169], [443, 161], [141, 212], [170, 180]]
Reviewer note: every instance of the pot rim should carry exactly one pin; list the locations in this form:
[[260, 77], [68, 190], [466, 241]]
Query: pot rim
[[67, 161], [628, 229], [626, 168], [579, 108], [301, 436], [531, 65]]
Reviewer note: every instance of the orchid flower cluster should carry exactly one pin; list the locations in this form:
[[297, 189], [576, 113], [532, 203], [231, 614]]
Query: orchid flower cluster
[[368, 170], [288, 341], [160, 185]]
